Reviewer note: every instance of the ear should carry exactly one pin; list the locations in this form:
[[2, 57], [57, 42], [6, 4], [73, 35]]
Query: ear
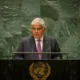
[[44, 28]]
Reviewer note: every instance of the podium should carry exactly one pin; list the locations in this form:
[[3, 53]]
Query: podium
[[19, 69], [46, 69]]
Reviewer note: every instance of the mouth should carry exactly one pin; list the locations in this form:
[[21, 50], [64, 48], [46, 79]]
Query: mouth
[[36, 34]]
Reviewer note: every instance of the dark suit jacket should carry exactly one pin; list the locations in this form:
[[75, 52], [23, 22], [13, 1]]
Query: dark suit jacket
[[28, 45]]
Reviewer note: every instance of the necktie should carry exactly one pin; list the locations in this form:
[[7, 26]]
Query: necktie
[[39, 49]]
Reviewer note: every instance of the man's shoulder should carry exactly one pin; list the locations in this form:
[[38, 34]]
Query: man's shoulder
[[26, 38], [50, 37]]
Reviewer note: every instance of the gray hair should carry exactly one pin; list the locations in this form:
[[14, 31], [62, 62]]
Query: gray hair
[[38, 20]]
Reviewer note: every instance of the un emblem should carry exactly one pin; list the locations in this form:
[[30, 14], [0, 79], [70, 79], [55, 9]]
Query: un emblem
[[40, 70]]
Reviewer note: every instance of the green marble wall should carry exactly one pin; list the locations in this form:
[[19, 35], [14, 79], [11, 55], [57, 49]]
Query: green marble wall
[[62, 18]]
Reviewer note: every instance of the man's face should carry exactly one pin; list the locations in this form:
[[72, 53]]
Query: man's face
[[38, 30]]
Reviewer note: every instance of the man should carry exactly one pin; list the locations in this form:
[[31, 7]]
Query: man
[[39, 43]]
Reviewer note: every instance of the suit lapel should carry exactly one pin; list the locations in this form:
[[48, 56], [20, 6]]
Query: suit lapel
[[46, 47], [33, 48], [32, 43], [46, 44]]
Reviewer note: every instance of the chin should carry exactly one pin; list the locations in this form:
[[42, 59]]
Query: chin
[[37, 37]]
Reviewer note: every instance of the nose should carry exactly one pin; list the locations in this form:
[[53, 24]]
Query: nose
[[36, 30]]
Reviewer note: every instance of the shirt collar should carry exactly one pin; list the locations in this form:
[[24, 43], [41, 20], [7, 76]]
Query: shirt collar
[[40, 39]]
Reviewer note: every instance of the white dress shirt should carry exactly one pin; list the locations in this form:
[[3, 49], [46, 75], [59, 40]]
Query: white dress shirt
[[41, 42]]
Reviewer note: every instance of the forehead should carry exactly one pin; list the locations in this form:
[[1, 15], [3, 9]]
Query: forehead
[[37, 25]]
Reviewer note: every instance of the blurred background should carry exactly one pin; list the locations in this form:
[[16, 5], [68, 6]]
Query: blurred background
[[62, 19]]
